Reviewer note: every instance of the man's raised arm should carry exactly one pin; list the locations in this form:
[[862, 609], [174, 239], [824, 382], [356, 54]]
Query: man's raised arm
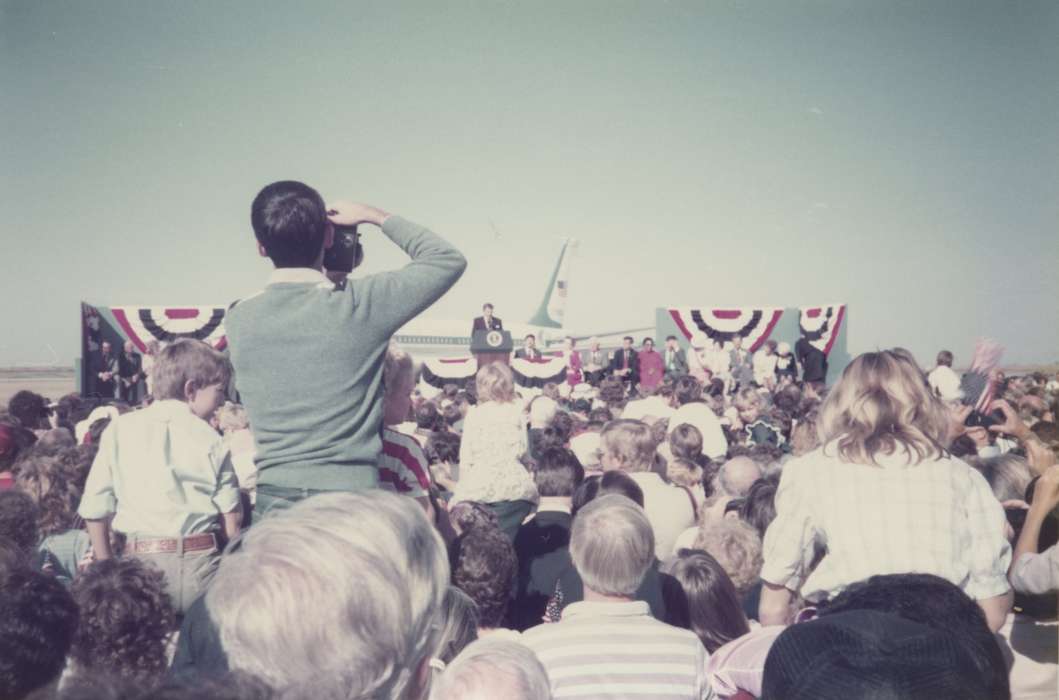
[[398, 296]]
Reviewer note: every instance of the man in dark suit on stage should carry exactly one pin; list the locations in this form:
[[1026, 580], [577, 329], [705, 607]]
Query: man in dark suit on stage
[[487, 321], [676, 362], [529, 349], [105, 370], [623, 363]]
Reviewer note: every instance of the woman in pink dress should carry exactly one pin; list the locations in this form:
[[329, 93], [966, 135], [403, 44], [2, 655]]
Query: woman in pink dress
[[573, 362], [652, 367]]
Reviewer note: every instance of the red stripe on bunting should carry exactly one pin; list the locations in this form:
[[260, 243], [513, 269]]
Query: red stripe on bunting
[[812, 313], [768, 330], [680, 323], [726, 314], [181, 313], [119, 316]]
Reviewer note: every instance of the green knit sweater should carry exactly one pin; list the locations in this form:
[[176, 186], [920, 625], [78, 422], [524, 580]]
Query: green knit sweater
[[308, 360]]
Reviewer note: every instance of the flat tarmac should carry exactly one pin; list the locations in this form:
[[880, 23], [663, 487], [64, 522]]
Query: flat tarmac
[[52, 382]]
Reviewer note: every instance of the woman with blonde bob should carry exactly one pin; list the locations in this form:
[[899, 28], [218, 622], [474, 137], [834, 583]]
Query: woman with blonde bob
[[882, 495], [494, 440]]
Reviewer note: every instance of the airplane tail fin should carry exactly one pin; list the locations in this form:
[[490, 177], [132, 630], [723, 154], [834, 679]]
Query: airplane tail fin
[[553, 307]]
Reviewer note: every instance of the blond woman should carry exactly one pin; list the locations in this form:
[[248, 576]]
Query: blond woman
[[494, 440], [883, 496]]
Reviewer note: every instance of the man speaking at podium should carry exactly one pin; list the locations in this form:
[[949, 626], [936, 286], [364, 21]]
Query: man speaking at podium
[[487, 321]]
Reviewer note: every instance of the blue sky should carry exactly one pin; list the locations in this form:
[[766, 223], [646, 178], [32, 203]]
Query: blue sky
[[901, 157]]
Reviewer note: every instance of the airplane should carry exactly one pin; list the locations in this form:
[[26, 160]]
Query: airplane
[[425, 338]]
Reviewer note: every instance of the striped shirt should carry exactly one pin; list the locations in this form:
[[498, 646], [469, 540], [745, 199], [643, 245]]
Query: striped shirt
[[403, 465], [937, 517], [614, 651]]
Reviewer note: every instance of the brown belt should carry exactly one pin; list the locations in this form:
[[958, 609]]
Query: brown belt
[[195, 543]]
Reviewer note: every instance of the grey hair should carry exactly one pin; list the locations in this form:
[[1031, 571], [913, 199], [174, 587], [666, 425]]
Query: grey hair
[[491, 668], [459, 624], [1008, 475], [612, 545], [336, 597]]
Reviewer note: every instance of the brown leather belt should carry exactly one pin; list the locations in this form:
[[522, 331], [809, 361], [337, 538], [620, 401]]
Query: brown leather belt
[[195, 543]]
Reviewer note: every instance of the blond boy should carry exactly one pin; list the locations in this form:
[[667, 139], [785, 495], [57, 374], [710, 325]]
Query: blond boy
[[166, 476]]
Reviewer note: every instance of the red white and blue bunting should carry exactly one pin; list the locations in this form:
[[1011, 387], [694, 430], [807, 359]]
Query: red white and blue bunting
[[527, 373], [821, 324], [702, 326]]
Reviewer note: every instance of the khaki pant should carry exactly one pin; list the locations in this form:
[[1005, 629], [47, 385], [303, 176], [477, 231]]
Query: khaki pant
[[186, 573]]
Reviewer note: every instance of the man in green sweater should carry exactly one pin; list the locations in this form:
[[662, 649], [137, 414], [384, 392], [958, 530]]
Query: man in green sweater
[[308, 354]]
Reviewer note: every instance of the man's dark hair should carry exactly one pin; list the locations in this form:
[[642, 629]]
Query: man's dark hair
[[629, 338], [427, 416], [685, 442], [759, 506], [37, 622], [600, 414], [670, 337], [290, 223], [558, 473], [487, 305], [19, 520], [126, 618], [76, 462], [611, 482], [945, 358], [14, 441], [450, 412], [530, 335], [29, 409], [484, 567], [563, 425], [934, 602], [444, 447], [687, 389]]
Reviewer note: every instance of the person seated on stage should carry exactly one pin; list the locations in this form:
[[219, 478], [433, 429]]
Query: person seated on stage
[[166, 476], [487, 321], [764, 364], [105, 372], [786, 366], [529, 350], [649, 366], [595, 363], [130, 374], [675, 359], [309, 354], [742, 363], [623, 364]]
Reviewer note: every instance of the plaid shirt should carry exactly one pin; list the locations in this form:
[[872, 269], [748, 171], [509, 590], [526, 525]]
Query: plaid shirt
[[937, 517]]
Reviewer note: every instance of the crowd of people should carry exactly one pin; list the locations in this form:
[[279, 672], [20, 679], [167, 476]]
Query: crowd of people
[[294, 519]]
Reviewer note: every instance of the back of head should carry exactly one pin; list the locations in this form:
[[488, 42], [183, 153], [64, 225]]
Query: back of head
[[685, 442], [684, 472], [493, 668], [1008, 475], [737, 548], [37, 622], [759, 505], [494, 382], [459, 624], [42, 479], [737, 475], [187, 360], [19, 520], [617, 483], [687, 389], [541, 411], [484, 566], [126, 618], [703, 600], [936, 603], [945, 358], [882, 406], [872, 655], [558, 473], [29, 409], [339, 593], [290, 223], [612, 545], [427, 416], [630, 442]]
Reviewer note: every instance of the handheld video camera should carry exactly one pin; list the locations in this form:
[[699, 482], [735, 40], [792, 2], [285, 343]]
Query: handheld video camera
[[346, 253]]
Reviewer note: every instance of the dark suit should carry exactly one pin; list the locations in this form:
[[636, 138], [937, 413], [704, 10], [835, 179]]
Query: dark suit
[[617, 361], [495, 324], [812, 360], [542, 546], [523, 354], [105, 363], [130, 372], [677, 366]]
